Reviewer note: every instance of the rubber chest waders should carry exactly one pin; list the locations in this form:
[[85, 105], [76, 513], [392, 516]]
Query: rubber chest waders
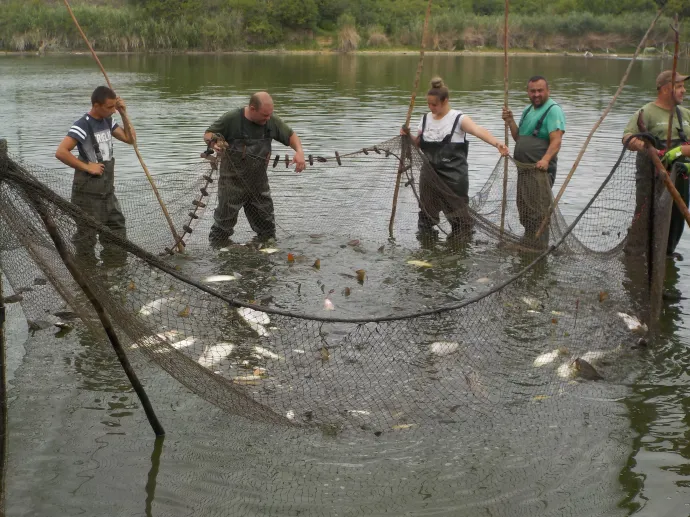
[[95, 195], [533, 186], [444, 182], [243, 183]]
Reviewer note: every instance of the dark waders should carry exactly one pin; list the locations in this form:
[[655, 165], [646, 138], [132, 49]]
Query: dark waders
[[444, 184], [243, 183], [95, 195], [533, 186]]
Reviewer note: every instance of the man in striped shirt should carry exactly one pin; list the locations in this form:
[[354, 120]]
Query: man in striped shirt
[[93, 186]]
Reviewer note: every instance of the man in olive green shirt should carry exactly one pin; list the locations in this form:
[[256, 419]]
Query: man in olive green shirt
[[655, 117], [243, 181]]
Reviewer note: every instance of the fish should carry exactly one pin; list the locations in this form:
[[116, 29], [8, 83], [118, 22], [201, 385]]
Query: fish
[[35, 325], [547, 358], [633, 323], [219, 278], [484, 280], [586, 370], [420, 263], [186, 342], [592, 357], [154, 306], [255, 319], [247, 379], [14, 298], [66, 315], [269, 251], [442, 348], [214, 354], [532, 303], [265, 353], [155, 339], [566, 371]]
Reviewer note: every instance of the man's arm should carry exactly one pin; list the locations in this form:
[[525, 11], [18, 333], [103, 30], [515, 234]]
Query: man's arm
[[128, 135], [555, 139], [508, 117], [635, 144], [64, 154], [298, 160]]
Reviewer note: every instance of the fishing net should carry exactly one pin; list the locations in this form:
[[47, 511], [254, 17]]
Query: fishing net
[[317, 308]]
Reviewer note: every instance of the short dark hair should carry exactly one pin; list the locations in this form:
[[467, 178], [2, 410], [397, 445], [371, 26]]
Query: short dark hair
[[102, 94], [536, 78]]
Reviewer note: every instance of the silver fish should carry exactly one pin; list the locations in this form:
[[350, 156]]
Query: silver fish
[[442, 348], [265, 353], [214, 354]]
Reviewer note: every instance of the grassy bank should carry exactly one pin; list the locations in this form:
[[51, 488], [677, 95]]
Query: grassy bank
[[37, 26]]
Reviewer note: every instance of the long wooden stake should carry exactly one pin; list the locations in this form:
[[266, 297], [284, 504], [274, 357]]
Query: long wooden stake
[[126, 121], [406, 147], [546, 220], [4, 435], [669, 130], [105, 320], [504, 201]]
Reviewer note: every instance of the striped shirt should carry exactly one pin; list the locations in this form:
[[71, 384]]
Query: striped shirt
[[103, 133]]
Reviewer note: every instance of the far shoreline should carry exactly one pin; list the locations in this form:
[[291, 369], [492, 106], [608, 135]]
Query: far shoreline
[[397, 52]]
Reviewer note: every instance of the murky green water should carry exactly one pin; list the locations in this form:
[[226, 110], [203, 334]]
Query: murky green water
[[79, 444]]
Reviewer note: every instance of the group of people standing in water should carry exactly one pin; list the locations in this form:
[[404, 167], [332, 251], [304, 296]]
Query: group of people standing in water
[[441, 135]]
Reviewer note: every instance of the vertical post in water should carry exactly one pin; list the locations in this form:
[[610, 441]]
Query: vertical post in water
[[674, 69], [505, 103], [3, 362], [105, 320], [406, 149]]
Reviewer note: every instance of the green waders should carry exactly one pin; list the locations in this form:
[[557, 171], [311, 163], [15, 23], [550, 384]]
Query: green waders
[[243, 183], [95, 195], [444, 184], [533, 186]]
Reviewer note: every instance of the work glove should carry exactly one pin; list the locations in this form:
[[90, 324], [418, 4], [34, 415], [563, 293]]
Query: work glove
[[671, 156]]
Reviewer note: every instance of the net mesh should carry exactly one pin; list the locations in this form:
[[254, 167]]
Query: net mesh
[[306, 312]]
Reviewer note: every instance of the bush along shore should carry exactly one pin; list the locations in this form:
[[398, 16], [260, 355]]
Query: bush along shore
[[337, 25]]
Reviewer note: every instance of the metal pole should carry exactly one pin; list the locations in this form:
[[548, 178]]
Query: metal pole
[[105, 320]]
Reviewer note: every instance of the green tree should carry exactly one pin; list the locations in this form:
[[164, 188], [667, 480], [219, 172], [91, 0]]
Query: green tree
[[302, 14]]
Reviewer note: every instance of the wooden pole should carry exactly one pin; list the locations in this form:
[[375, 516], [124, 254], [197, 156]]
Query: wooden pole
[[4, 435], [406, 144], [673, 83], [126, 122], [105, 320], [546, 220], [504, 201]]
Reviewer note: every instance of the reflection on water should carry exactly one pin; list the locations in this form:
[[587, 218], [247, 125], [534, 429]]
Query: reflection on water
[[80, 443]]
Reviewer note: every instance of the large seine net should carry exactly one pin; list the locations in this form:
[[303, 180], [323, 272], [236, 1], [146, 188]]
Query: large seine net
[[335, 324]]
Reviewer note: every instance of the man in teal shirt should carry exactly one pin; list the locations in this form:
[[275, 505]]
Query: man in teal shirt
[[538, 139]]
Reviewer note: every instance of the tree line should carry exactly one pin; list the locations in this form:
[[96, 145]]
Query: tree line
[[131, 25]]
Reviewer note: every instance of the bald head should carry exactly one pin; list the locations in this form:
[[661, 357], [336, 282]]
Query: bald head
[[260, 108]]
